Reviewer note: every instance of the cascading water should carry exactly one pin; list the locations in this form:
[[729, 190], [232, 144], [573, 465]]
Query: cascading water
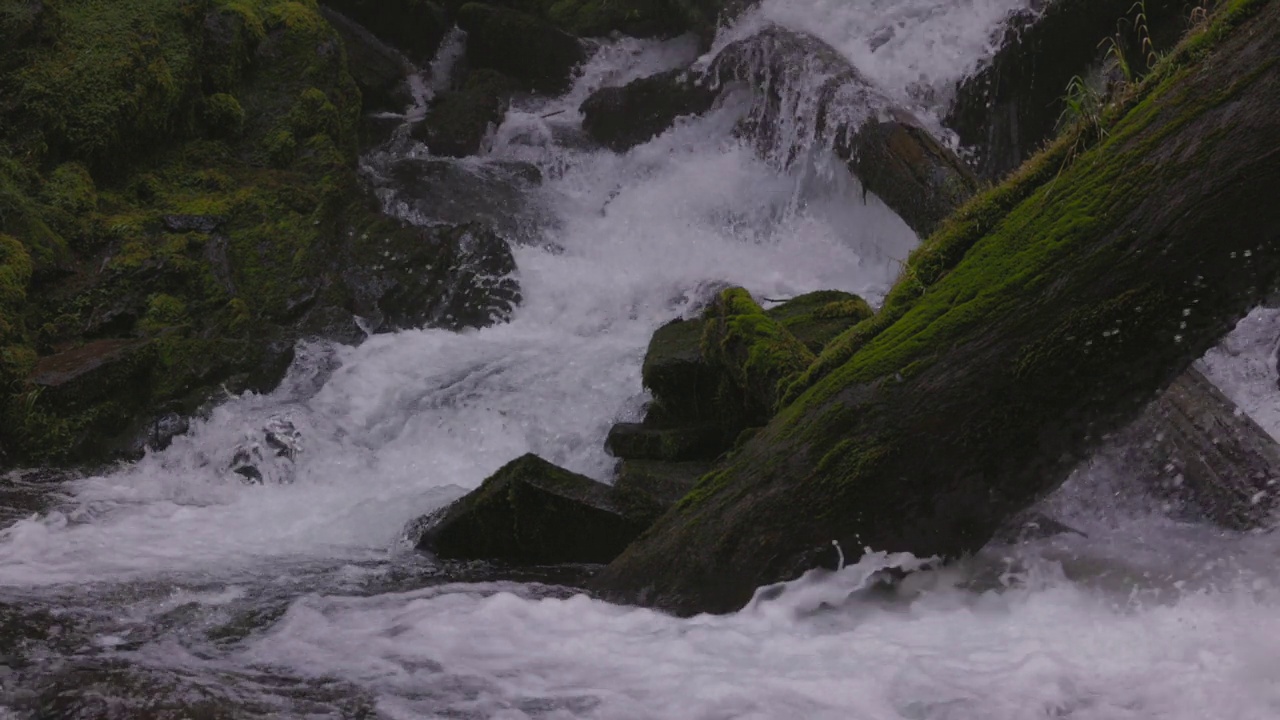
[[168, 588]]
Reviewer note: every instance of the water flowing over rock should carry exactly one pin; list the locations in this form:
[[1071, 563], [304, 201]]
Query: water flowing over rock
[[807, 97], [973, 403]]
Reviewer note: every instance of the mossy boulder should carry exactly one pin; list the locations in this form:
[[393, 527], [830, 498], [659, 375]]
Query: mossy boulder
[[641, 441], [1067, 315], [646, 489], [817, 318], [532, 512], [533, 52], [755, 350], [458, 121], [683, 384], [622, 117], [381, 71]]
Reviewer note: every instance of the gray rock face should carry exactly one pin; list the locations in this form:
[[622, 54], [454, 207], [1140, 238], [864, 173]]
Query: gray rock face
[[532, 512], [1195, 445]]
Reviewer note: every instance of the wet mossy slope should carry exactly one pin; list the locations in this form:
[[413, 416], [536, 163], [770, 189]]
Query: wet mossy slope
[[1043, 315], [177, 187]]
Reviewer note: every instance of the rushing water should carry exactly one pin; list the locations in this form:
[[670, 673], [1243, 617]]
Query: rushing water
[[168, 589]]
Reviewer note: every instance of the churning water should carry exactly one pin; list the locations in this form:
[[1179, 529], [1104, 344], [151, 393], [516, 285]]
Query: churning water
[[169, 589]]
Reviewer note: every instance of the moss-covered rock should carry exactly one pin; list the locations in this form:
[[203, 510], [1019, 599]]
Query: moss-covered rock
[[181, 176], [532, 512], [457, 122], [683, 384], [1066, 316], [640, 441], [817, 318], [755, 350], [645, 489], [381, 71], [529, 50]]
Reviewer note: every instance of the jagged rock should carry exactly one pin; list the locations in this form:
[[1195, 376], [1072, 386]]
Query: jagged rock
[[458, 121], [994, 380], [531, 51], [638, 441], [816, 318], [532, 512], [268, 456], [645, 489], [622, 117], [443, 276], [380, 71], [1007, 110], [1194, 444], [415, 27]]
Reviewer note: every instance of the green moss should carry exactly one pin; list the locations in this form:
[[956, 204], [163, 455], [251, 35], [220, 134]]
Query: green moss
[[15, 274], [223, 115], [755, 350]]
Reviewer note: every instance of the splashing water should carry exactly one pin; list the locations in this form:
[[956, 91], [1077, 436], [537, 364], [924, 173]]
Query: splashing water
[[169, 581]]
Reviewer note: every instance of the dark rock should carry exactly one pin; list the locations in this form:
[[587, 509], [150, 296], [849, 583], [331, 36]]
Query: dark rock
[[495, 194], [443, 276], [165, 428], [193, 223], [990, 388], [381, 71], [637, 441], [82, 375], [646, 489], [1007, 110], [884, 145], [268, 455], [816, 318], [1195, 445], [457, 122], [683, 384], [536, 54], [414, 27], [622, 117], [532, 512]]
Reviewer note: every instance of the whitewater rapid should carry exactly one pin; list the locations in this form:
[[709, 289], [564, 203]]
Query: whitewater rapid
[[301, 600]]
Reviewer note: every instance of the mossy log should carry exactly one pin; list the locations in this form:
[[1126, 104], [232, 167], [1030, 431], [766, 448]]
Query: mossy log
[[1068, 315]]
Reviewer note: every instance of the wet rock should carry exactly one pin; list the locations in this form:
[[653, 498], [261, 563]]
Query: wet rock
[[429, 192], [534, 53], [683, 384], [638, 441], [884, 145], [457, 122], [622, 117], [1006, 111], [381, 71], [986, 391], [532, 512], [267, 456], [1195, 445], [444, 276], [756, 351], [1030, 526], [193, 223], [646, 489], [816, 318], [414, 27]]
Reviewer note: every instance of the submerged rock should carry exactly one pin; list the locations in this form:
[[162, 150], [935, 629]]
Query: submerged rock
[[497, 195], [523, 47], [532, 512], [1001, 367], [269, 455]]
